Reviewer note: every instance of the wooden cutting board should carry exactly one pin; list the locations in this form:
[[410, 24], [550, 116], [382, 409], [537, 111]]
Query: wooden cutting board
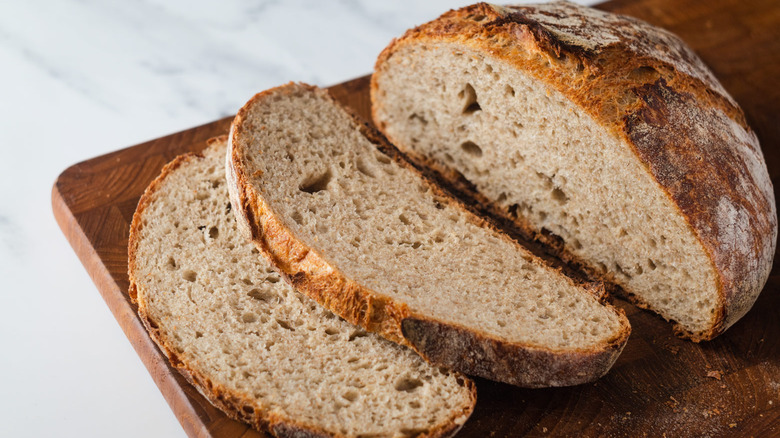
[[660, 385]]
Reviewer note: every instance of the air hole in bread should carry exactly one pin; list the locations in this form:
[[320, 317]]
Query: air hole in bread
[[404, 220], [265, 296], [284, 325], [408, 384], [559, 196], [509, 90], [213, 232], [272, 279], [623, 233], [471, 148], [363, 168], [189, 275], [248, 318], [515, 133], [316, 183], [198, 335], [651, 264], [469, 97], [546, 180], [202, 196], [331, 331], [350, 396], [418, 118], [171, 264], [297, 217], [357, 334]]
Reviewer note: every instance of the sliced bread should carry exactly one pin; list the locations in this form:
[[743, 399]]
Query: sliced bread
[[598, 134], [257, 349], [354, 226]]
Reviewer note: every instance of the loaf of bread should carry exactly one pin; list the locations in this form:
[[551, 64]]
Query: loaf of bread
[[257, 349], [599, 134], [352, 225]]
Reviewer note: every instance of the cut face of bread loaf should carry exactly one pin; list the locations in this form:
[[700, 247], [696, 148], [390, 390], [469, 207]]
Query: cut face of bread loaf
[[354, 226], [597, 133], [257, 349]]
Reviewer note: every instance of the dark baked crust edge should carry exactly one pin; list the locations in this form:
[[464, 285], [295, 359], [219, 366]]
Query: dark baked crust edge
[[237, 405], [310, 273]]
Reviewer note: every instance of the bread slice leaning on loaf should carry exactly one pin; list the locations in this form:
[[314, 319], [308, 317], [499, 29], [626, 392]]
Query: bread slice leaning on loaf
[[598, 134], [351, 224], [253, 346]]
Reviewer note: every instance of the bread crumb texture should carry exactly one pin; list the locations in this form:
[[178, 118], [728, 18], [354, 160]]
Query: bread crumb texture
[[257, 348], [601, 130]]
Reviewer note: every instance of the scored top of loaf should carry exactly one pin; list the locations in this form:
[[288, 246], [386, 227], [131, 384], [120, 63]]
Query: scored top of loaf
[[648, 87]]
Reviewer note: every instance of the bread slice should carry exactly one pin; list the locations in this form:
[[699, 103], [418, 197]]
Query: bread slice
[[354, 226], [257, 349], [598, 134]]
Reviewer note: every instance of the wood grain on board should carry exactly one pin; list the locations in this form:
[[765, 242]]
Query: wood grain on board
[[660, 384]]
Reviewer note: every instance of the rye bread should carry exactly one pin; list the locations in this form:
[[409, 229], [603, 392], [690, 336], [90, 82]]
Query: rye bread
[[350, 223], [254, 347], [599, 134]]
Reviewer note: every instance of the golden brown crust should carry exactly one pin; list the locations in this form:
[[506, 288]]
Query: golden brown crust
[[649, 88], [438, 342], [237, 405]]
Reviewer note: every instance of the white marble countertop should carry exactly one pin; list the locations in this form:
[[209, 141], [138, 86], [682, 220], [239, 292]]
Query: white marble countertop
[[80, 78]]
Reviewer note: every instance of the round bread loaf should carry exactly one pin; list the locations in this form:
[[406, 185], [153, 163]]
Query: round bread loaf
[[599, 134]]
